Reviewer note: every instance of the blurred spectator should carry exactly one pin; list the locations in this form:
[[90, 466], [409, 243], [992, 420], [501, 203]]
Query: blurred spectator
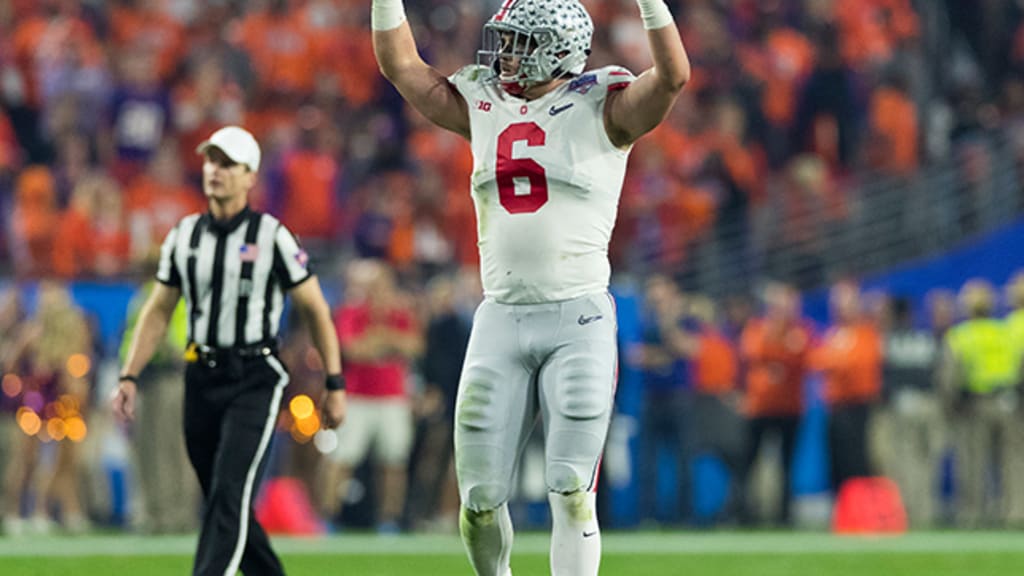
[[665, 418], [981, 377], [916, 428], [34, 222], [343, 49], [145, 25], [155, 201], [281, 47], [74, 161], [893, 133], [92, 237], [375, 224], [775, 350], [204, 101], [311, 180], [849, 357], [53, 357], [138, 116], [169, 492], [12, 318], [810, 206], [828, 116], [64, 64], [718, 427], [739, 185], [434, 496], [379, 338], [779, 61]]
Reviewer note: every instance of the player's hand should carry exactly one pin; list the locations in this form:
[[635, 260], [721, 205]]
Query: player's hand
[[123, 402], [332, 408]]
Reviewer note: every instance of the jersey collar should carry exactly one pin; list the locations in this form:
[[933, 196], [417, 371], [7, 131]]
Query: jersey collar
[[231, 224]]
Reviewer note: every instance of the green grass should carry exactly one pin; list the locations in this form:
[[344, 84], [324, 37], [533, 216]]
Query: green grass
[[647, 554]]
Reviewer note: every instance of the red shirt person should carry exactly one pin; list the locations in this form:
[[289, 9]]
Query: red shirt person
[[380, 337]]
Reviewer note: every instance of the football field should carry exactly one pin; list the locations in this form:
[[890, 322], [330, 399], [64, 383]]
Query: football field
[[629, 553]]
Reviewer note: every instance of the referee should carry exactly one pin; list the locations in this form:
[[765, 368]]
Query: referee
[[233, 265]]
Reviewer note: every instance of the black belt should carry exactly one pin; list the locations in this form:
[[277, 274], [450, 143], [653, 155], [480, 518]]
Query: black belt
[[211, 356]]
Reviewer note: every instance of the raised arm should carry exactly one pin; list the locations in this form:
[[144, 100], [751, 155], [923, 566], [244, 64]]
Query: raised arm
[[426, 89], [636, 110]]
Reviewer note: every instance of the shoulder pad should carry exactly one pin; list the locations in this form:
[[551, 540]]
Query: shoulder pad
[[466, 75]]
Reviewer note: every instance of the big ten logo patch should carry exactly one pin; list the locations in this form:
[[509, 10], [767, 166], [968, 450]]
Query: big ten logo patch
[[482, 105]]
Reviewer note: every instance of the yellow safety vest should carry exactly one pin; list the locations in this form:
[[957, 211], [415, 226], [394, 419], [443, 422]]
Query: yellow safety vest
[[986, 353]]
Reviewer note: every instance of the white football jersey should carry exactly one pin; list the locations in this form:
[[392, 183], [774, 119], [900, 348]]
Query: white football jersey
[[546, 185]]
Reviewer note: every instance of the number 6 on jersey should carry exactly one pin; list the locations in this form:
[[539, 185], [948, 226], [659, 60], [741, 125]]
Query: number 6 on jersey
[[509, 168]]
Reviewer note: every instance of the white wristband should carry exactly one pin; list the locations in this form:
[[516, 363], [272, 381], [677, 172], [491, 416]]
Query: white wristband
[[387, 14], [654, 13]]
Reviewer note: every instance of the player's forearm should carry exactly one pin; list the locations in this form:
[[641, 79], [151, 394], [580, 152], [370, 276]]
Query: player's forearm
[[393, 42], [671, 64]]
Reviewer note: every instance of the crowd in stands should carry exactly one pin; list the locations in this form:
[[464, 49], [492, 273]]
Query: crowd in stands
[[792, 102]]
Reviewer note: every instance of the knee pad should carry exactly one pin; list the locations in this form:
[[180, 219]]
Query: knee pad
[[564, 478], [485, 498]]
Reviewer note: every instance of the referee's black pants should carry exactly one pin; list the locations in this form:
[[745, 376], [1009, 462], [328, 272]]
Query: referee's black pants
[[231, 409]]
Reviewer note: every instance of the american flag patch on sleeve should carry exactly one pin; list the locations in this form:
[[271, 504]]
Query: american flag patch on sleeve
[[302, 258], [249, 252]]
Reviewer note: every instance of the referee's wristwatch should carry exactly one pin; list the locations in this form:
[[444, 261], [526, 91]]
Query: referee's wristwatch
[[334, 382], [128, 378]]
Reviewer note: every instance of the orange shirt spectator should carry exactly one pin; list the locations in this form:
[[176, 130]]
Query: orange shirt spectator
[[775, 355], [282, 50], [872, 29], [146, 26], [156, 200], [784, 60], [893, 119], [92, 238], [34, 220], [850, 358], [310, 193], [345, 54], [715, 366]]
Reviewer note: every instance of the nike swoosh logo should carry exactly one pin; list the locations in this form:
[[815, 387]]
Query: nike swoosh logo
[[584, 320], [589, 534], [559, 109]]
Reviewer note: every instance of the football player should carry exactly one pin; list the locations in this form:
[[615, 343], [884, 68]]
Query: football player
[[550, 142]]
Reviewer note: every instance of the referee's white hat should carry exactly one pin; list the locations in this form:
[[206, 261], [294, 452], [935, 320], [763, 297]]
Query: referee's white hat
[[237, 143]]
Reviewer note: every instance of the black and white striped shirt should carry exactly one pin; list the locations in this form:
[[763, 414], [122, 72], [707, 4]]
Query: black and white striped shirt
[[233, 275]]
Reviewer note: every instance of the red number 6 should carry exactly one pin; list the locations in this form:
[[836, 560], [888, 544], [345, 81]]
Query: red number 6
[[509, 168]]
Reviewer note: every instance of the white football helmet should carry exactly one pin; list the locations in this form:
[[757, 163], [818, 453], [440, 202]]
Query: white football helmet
[[550, 38]]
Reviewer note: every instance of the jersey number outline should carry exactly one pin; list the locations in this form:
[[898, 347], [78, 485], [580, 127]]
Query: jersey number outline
[[508, 169]]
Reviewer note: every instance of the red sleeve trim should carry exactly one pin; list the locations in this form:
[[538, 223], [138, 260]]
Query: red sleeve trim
[[618, 86]]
